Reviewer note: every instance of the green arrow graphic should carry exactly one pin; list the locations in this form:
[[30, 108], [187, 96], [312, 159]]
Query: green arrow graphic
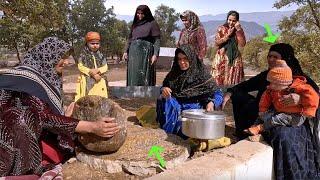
[[271, 38], [155, 151]]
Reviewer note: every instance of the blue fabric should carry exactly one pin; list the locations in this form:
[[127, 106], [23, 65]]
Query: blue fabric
[[168, 112], [218, 98]]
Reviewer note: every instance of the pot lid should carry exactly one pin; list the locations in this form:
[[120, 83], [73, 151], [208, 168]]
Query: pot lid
[[203, 114]]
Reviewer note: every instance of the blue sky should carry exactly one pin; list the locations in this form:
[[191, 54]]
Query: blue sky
[[201, 7]]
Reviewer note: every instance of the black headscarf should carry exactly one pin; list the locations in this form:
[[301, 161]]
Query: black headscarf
[[231, 45], [287, 53], [193, 82], [148, 17]]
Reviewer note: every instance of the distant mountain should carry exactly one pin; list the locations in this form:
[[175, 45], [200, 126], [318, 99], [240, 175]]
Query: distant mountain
[[127, 18], [251, 29], [272, 17]]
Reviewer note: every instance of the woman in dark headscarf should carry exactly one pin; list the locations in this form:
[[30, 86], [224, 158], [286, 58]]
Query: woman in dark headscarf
[[295, 149], [188, 85], [142, 49], [227, 65], [31, 115], [193, 33]]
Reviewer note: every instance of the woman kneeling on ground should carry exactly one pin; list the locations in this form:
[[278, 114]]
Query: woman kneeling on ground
[[34, 133], [188, 85]]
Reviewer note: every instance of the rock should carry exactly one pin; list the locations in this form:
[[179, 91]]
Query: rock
[[92, 108]]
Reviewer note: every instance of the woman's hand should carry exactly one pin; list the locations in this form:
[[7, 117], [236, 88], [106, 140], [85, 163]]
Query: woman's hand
[[291, 99], [230, 32], [125, 56], [226, 98], [106, 127], [68, 112], [153, 59], [237, 26], [210, 106], [61, 64], [166, 92]]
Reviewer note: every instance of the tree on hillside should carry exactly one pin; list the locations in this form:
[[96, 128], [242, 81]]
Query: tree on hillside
[[26, 23], [88, 15], [302, 31], [92, 15], [255, 53], [166, 18]]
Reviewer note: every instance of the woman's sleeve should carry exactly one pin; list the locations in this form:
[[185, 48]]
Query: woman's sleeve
[[249, 85], [219, 37], [156, 46], [128, 43], [218, 98], [202, 42], [5, 96], [155, 32], [58, 124], [241, 38], [55, 123]]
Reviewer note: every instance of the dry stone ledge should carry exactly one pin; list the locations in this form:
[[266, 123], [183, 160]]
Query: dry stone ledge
[[132, 157], [92, 108]]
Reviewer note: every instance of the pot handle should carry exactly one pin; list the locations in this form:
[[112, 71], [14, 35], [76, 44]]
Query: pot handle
[[183, 119]]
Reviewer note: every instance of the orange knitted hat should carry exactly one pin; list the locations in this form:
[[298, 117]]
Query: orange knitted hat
[[280, 73], [92, 36]]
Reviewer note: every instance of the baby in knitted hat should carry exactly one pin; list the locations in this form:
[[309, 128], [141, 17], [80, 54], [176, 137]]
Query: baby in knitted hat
[[92, 66], [272, 112]]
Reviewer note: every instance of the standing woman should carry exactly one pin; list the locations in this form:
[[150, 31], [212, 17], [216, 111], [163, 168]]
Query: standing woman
[[193, 33], [227, 65], [142, 49]]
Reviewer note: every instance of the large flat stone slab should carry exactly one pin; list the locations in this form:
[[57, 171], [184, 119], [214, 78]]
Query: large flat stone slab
[[243, 160], [132, 157]]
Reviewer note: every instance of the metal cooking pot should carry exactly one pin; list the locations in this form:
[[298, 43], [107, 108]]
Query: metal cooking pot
[[199, 124]]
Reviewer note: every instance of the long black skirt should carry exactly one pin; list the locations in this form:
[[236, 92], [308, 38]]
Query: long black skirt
[[294, 153], [140, 72]]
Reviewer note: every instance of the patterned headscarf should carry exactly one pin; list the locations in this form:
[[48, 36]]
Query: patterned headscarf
[[44, 57], [86, 58], [193, 82], [192, 18]]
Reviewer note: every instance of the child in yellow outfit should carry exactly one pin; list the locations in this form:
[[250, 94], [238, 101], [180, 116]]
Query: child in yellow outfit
[[92, 66]]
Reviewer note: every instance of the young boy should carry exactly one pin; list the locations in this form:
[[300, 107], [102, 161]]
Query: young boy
[[92, 66], [282, 83]]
